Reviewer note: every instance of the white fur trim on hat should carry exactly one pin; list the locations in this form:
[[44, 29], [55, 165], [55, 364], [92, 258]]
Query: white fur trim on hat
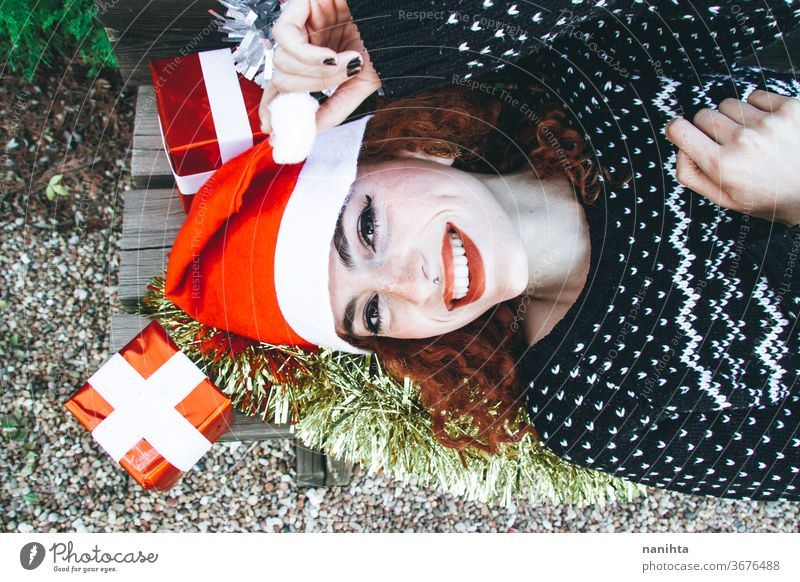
[[303, 246], [294, 127]]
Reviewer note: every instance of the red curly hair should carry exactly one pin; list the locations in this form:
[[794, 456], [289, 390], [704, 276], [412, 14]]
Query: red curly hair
[[483, 136]]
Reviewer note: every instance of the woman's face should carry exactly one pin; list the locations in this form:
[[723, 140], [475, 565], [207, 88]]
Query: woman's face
[[421, 249]]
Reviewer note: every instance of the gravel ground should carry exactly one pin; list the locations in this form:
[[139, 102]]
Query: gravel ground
[[58, 267]]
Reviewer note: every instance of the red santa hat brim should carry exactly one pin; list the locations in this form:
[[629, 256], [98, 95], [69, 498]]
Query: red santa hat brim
[[304, 240]]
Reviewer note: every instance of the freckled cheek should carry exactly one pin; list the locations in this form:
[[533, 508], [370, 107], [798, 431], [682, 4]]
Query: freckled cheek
[[337, 296], [415, 323]]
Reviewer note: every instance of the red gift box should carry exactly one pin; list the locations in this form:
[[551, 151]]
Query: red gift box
[[152, 410], [207, 112]]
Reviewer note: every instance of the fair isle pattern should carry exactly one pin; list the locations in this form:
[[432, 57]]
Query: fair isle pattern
[[682, 279], [771, 351], [678, 366]]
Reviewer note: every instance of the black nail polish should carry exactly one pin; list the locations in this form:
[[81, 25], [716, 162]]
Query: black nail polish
[[319, 96], [351, 72], [329, 61], [356, 62]]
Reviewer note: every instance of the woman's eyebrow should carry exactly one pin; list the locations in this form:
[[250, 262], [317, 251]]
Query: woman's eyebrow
[[342, 245], [349, 316]]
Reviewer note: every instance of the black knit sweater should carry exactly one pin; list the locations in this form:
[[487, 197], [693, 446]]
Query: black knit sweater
[[678, 366]]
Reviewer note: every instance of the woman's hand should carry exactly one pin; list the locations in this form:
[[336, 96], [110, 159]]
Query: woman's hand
[[745, 156], [319, 47]]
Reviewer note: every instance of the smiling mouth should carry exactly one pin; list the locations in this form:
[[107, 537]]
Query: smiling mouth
[[464, 276]]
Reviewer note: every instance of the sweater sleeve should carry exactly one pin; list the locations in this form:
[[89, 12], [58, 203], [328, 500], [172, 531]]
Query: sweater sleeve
[[421, 44]]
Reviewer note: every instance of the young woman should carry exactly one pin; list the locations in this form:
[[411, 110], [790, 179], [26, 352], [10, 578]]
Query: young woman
[[651, 331]]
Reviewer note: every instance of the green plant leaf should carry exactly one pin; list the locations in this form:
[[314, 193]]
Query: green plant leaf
[[9, 428], [55, 188]]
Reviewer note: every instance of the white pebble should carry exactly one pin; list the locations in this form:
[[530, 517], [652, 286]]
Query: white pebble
[[315, 496]]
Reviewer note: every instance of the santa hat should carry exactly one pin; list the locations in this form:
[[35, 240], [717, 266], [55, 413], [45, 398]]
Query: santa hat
[[252, 256]]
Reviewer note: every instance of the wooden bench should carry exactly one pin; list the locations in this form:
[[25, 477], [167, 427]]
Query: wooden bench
[[142, 31]]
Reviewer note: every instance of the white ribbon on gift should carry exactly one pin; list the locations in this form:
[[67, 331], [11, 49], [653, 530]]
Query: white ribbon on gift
[[146, 409], [228, 111]]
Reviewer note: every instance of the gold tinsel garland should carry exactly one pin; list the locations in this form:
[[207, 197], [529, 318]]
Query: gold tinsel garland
[[347, 406]]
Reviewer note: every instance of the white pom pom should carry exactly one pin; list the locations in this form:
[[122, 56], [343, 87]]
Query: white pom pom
[[294, 127]]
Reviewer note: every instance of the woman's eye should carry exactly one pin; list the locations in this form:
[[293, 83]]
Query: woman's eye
[[372, 316], [366, 224]]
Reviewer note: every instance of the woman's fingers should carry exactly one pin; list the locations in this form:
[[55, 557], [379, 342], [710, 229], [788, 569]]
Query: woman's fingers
[[344, 101], [292, 37], [742, 113], [287, 83], [284, 61], [702, 150], [691, 176], [698, 165], [766, 101], [715, 125], [338, 65], [299, 65], [290, 34], [270, 92]]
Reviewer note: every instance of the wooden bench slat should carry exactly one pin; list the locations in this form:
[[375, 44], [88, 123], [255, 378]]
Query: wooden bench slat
[[149, 164], [154, 162], [146, 122], [136, 268], [151, 219], [147, 142]]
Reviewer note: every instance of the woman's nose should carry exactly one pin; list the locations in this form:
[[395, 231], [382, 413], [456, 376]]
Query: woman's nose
[[406, 279], [412, 291]]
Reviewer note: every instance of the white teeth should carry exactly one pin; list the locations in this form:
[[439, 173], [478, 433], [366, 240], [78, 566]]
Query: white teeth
[[460, 267]]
